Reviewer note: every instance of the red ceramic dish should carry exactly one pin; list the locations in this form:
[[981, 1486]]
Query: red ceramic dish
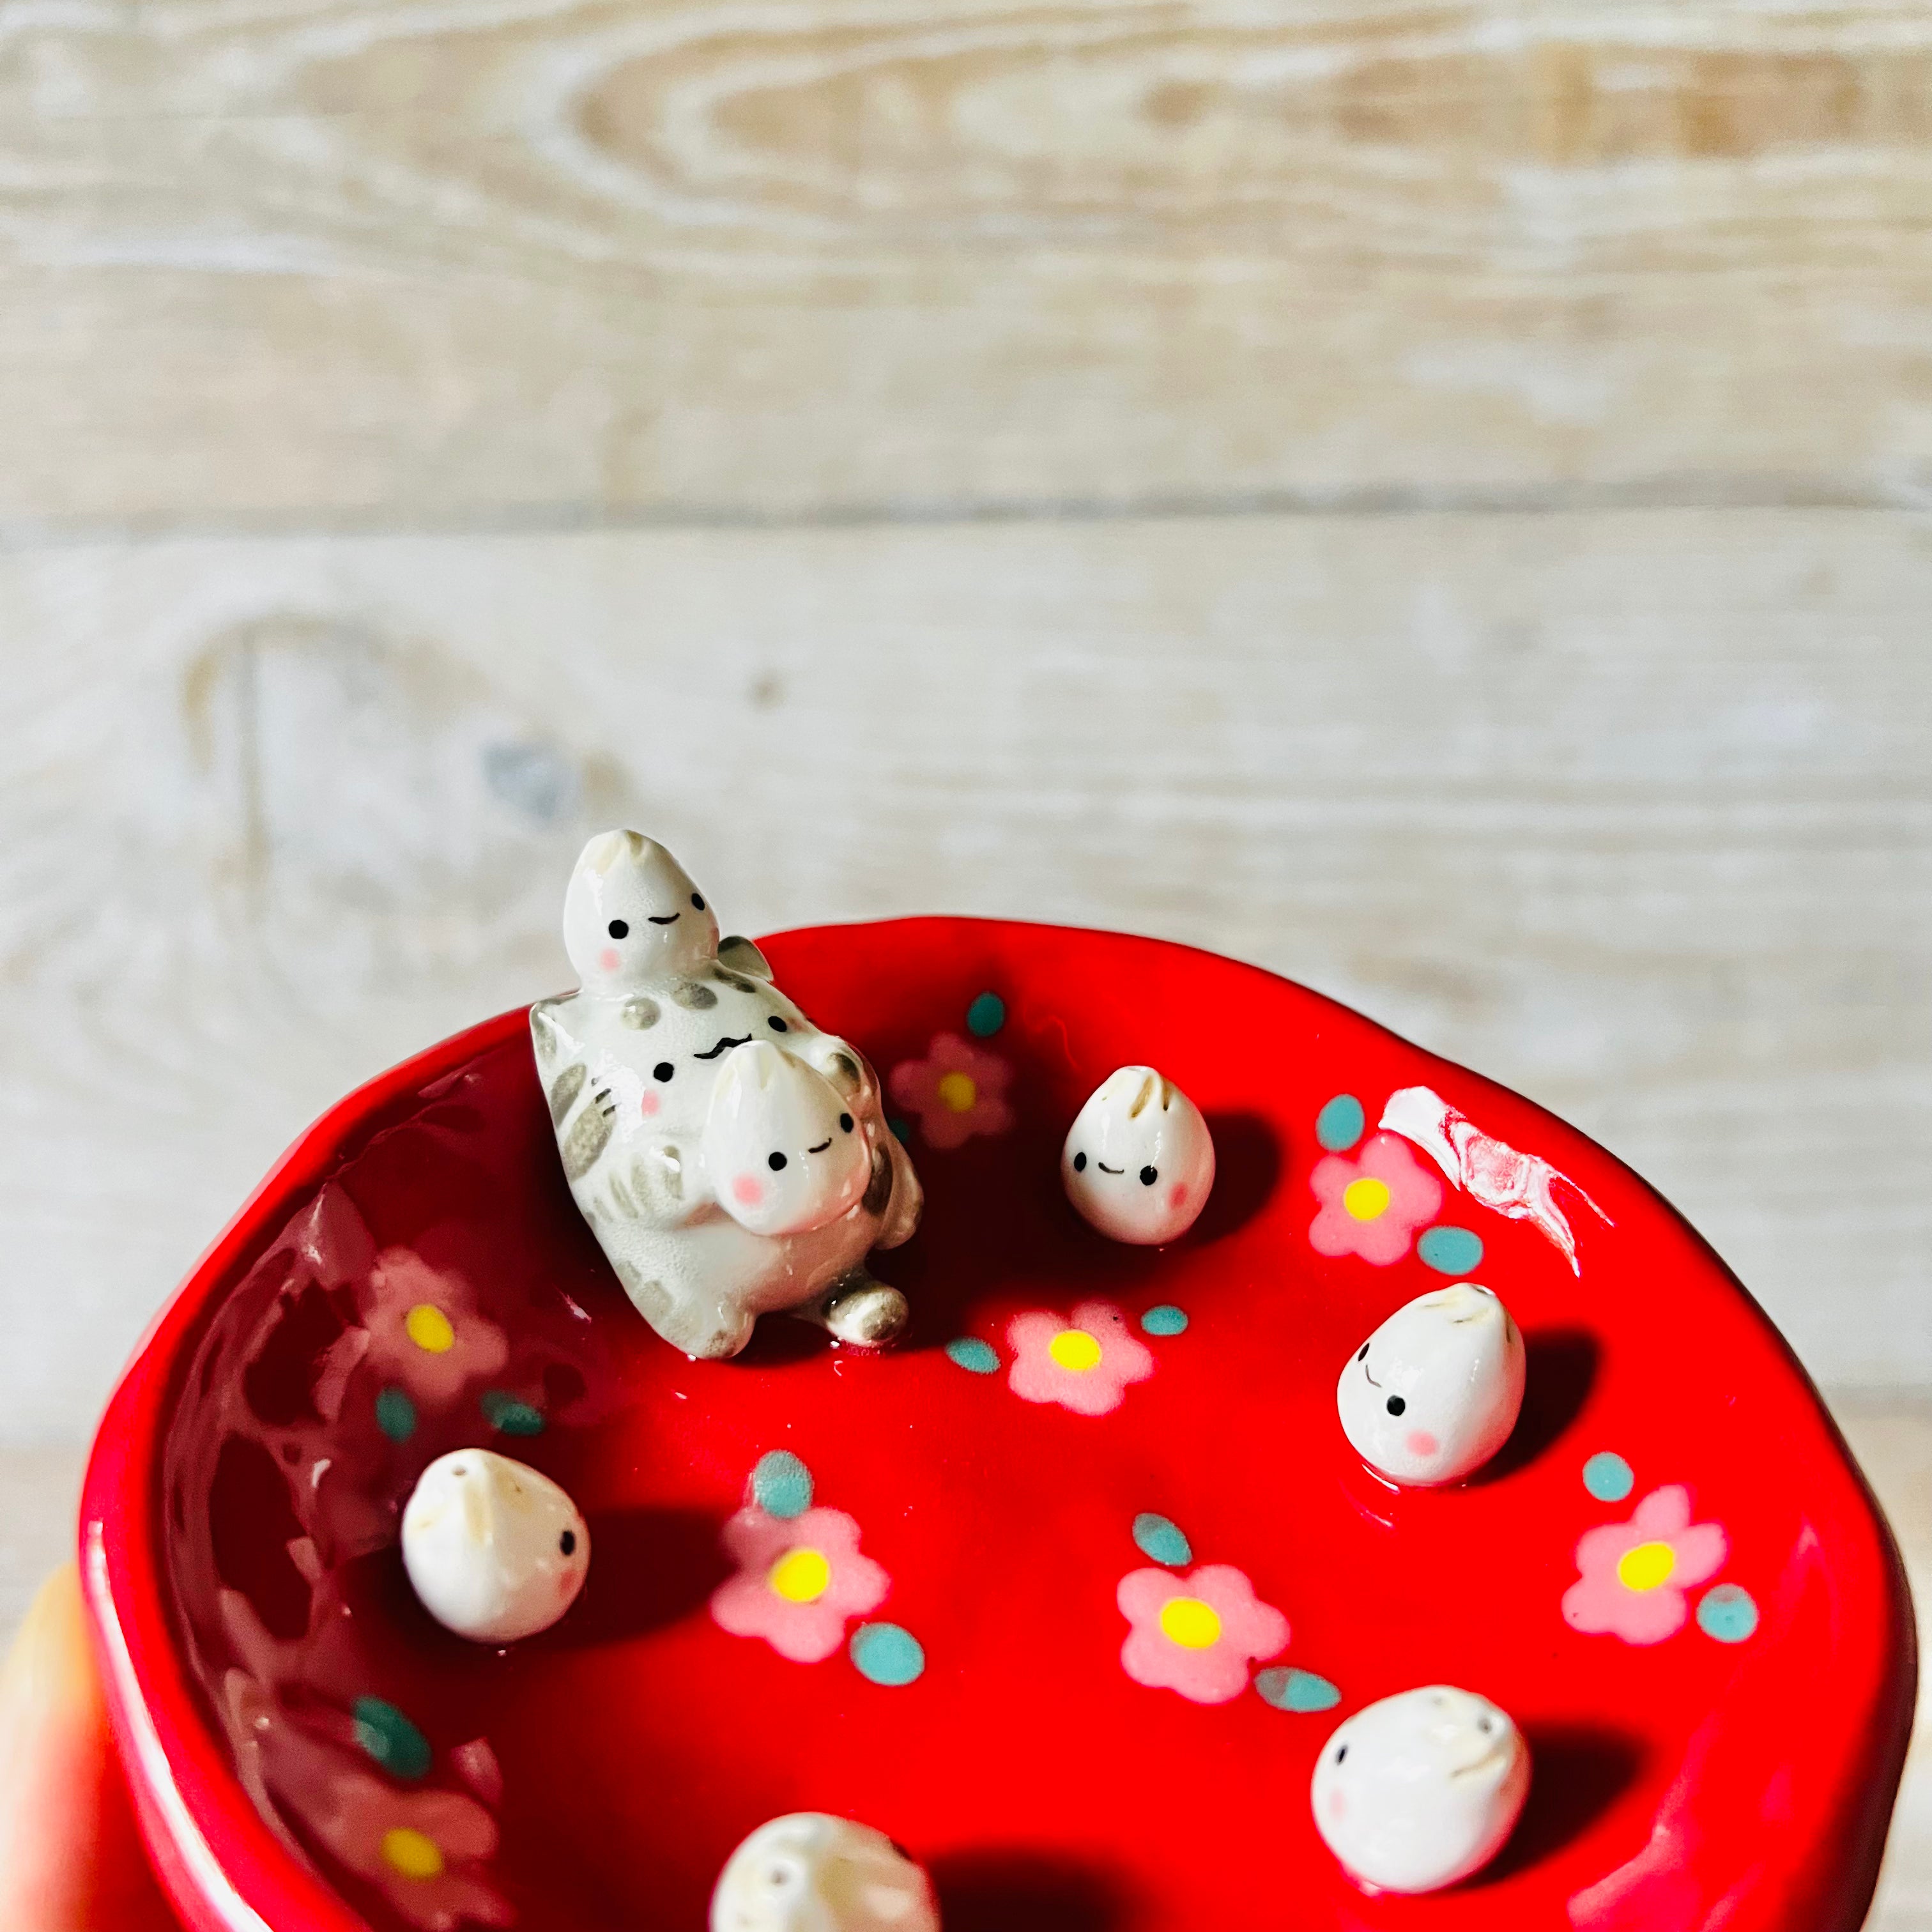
[[1674, 1576]]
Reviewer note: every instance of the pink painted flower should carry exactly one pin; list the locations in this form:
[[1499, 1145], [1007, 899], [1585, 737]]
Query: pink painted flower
[[1635, 1574], [422, 1848], [424, 1330], [799, 1579], [957, 1091], [1084, 1364], [1372, 1207], [1197, 1634]]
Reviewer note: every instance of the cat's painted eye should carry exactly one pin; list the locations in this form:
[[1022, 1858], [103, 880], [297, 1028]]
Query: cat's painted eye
[[1396, 1404], [1149, 1175], [1079, 1163], [698, 900], [776, 1162], [620, 928], [844, 1123]]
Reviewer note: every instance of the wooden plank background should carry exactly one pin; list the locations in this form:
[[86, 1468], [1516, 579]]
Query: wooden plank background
[[425, 260]]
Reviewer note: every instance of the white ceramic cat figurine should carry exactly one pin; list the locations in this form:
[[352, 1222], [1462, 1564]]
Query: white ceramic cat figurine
[[495, 1550], [808, 1872], [1434, 1392], [1138, 1163], [731, 1159], [1420, 1789]]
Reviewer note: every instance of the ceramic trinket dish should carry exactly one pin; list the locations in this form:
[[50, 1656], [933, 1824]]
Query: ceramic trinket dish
[[731, 1159], [1066, 1592]]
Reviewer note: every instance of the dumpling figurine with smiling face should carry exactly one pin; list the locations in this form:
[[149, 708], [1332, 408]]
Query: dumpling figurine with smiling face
[[495, 1550], [1421, 1789], [1138, 1163], [1434, 1392], [731, 1159], [809, 1872]]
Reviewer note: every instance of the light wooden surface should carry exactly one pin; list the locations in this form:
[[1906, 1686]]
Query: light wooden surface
[[1892, 1437], [374, 261]]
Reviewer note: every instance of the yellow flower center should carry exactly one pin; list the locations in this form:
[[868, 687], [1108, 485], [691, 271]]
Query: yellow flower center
[[1074, 1348], [409, 1852], [1366, 1198], [428, 1327], [957, 1092], [1189, 1622], [801, 1575], [1646, 1566]]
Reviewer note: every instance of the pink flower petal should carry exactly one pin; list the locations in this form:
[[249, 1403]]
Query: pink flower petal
[[1662, 1513], [1700, 1552]]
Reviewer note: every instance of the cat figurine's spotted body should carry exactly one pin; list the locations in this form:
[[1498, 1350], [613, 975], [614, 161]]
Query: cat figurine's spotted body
[[731, 1159]]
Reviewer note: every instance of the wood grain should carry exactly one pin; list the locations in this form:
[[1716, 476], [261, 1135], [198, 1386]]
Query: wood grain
[[1632, 810], [559, 260]]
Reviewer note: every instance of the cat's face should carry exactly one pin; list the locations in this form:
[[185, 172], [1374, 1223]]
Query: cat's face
[[632, 917]]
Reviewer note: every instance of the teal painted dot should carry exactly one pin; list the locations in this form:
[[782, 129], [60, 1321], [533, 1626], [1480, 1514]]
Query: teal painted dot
[[1608, 1476], [980, 1357], [1727, 1613], [886, 1653], [1340, 1124], [1296, 1689], [1166, 1320], [395, 1415], [390, 1738], [986, 1015], [505, 1412], [1162, 1539], [901, 1130], [781, 1485], [1451, 1250]]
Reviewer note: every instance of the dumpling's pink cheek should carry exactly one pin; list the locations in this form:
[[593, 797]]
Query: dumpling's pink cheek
[[747, 1191], [1338, 1805], [648, 1104], [610, 959], [1421, 1443], [1178, 1196]]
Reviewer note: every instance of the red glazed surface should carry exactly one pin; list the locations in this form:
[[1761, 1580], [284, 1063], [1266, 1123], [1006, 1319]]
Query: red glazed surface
[[1681, 1783]]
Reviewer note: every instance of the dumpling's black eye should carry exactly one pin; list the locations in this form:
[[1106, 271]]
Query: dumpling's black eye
[[698, 900], [567, 1542], [777, 1025], [774, 1162], [620, 928], [663, 1070], [1149, 1175], [844, 1123], [1079, 1163], [1341, 1752], [1362, 1353], [1396, 1405]]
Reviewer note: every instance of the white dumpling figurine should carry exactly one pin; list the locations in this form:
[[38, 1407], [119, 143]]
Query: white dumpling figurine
[[1433, 1393], [1138, 1163], [495, 1550], [1420, 1789], [808, 1872], [731, 1159]]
